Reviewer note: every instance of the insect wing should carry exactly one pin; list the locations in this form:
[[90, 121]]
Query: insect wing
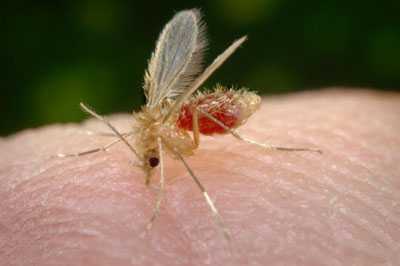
[[177, 60], [205, 75]]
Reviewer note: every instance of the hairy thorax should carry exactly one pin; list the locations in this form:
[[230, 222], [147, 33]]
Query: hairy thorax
[[149, 127]]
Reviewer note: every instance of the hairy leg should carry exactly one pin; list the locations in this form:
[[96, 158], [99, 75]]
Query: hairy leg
[[196, 131], [110, 126], [234, 133], [94, 150]]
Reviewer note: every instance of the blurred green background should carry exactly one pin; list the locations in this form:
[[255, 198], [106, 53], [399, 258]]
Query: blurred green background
[[57, 53]]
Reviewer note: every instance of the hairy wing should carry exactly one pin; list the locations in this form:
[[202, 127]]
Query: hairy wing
[[204, 76], [177, 60]]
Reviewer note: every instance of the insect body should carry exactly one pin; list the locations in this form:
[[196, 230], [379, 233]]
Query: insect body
[[230, 107], [173, 119]]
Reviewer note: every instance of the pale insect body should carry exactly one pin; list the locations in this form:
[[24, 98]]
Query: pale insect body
[[163, 124]]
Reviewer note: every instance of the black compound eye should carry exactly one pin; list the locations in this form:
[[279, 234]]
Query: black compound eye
[[154, 161]]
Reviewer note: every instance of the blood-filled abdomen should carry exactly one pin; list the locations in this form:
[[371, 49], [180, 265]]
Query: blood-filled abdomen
[[230, 107]]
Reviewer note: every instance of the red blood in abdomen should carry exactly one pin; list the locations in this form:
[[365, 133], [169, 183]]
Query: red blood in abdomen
[[225, 111]]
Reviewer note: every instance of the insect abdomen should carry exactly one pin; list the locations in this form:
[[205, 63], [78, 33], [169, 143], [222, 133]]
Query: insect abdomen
[[230, 107], [228, 116]]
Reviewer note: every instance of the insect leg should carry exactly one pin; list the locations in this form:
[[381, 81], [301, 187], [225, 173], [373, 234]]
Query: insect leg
[[196, 131], [160, 193], [209, 201], [116, 132], [250, 141], [105, 134], [104, 148]]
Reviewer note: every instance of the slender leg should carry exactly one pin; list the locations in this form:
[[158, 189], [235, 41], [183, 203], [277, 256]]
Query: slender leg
[[262, 145], [104, 148], [209, 201], [160, 193], [105, 134], [196, 131], [116, 132]]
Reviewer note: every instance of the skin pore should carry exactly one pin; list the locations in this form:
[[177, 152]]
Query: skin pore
[[282, 208]]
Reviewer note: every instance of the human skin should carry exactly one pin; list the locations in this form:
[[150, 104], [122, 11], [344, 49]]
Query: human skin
[[341, 207]]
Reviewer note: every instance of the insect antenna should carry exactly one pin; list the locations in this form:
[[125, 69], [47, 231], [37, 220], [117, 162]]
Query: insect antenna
[[160, 193], [250, 141], [105, 121], [209, 201]]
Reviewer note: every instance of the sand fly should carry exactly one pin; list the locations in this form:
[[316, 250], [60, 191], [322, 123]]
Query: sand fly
[[175, 116]]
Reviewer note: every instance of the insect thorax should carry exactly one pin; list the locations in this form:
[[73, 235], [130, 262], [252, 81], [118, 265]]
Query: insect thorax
[[148, 128]]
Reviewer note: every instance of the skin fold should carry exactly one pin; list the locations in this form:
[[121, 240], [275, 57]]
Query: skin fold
[[341, 207]]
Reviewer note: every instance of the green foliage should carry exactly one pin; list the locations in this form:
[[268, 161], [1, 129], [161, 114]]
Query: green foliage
[[56, 54]]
